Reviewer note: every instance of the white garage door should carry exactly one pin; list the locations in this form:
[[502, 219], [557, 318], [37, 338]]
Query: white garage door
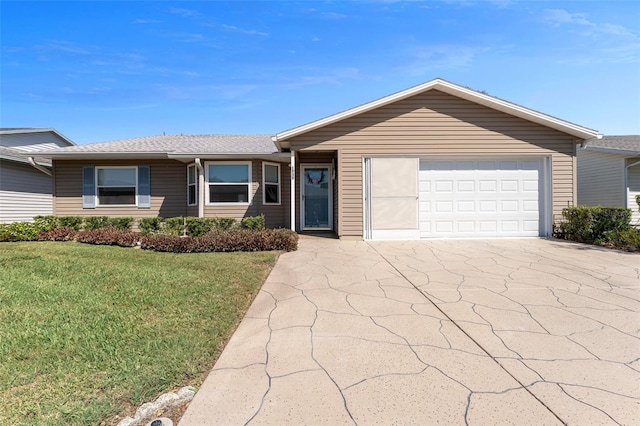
[[470, 198]]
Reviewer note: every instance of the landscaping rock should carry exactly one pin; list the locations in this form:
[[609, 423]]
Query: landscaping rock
[[147, 411]]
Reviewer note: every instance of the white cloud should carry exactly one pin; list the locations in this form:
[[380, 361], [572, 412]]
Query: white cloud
[[186, 13], [425, 59], [146, 21], [233, 28]]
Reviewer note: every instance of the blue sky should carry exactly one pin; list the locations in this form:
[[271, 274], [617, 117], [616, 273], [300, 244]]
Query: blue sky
[[105, 70]]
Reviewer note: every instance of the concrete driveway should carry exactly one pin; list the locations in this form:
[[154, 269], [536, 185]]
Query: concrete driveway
[[450, 332]]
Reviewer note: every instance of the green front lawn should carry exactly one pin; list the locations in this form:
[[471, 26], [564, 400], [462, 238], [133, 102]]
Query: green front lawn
[[89, 331]]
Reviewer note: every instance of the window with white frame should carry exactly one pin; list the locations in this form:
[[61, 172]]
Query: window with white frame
[[228, 182], [271, 183], [192, 185], [116, 186]]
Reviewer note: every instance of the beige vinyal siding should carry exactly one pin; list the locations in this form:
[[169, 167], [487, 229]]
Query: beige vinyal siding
[[168, 189], [433, 123], [600, 179], [168, 193]]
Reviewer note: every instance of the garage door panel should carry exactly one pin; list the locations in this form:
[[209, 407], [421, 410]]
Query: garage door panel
[[485, 198]]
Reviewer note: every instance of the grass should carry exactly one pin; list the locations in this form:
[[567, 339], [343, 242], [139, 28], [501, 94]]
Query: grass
[[89, 331]]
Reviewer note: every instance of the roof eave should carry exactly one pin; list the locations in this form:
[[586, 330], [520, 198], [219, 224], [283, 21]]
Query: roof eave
[[452, 89], [218, 155], [101, 155], [44, 130], [623, 152]]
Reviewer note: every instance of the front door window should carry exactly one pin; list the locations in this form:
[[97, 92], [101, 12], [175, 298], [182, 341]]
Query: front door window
[[316, 197]]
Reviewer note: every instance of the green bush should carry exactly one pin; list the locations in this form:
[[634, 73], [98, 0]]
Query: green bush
[[96, 222], [150, 225], [628, 239], [174, 226], [592, 224], [47, 222], [73, 222], [198, 226], [121, 222], [224, 223], [23, 231], [255, 223]]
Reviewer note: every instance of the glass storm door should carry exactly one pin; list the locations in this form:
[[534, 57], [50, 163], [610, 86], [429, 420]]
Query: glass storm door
[[316, 197]]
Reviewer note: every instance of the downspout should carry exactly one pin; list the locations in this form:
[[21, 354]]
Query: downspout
[[39, 167], [626, 182], [200, 168], [293, 191]]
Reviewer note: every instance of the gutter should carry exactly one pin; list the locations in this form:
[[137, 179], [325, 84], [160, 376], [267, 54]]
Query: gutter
[[39, 167]]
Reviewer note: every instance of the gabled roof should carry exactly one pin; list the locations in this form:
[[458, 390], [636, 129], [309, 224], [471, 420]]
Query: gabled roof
[[624, 145], [16, 155], [23, 130], [172, 146], [452, 89]]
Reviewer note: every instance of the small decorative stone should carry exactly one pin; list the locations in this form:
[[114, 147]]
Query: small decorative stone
[[160, 421]]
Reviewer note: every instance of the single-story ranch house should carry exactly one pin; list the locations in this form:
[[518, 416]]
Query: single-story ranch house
[[437, 160]]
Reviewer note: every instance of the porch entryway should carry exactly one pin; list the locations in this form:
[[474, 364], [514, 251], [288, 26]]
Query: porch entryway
[[316, 197]]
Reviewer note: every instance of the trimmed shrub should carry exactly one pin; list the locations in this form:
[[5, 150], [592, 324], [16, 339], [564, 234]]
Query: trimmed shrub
[[150, 225], [224, 241], [23, 231], [109, 235], [96, 222], [255, 223], [198, 226], [591, 224], [47, 222], [121, 222], [57, 234], [73, 222], [224, 223], [173, 226], [628, 239]]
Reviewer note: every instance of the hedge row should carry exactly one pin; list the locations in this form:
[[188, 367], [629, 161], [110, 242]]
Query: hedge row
[[224, 241], [179, 226], [197, 226], [213, 241], [610, 226]]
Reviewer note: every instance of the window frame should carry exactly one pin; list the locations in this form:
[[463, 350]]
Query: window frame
[[194, 184], [98, 186], [249, 183], [265, 183]]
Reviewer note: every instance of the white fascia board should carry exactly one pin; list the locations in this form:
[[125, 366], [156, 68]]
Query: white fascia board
[[276, 156], [452, 89], [100, 155]]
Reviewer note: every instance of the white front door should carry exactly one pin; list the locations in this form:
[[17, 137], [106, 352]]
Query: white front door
[[316, 197]]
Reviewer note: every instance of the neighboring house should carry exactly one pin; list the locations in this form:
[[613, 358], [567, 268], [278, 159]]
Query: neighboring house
[[25, 177], [609, 173], [434, 161]]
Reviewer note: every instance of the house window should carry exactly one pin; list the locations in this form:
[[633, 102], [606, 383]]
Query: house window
[[228, 183], [116, 186], [271, 183], [192, 185]]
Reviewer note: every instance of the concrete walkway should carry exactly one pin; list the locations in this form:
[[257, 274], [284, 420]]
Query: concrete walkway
[[448, 332]]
